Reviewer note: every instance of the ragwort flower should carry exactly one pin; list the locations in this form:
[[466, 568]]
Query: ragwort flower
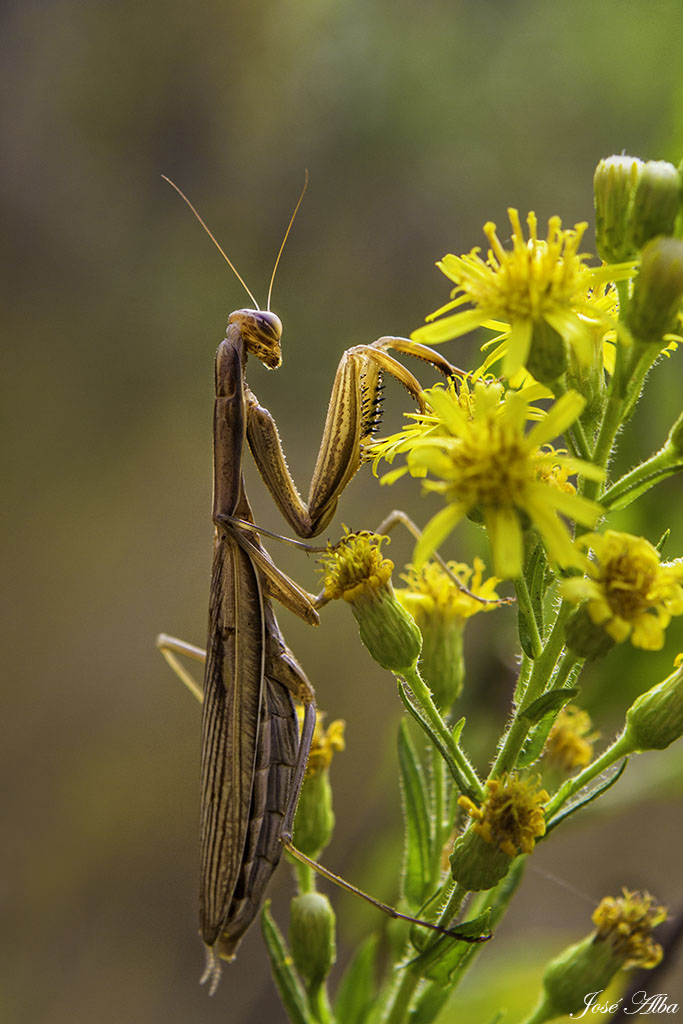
[[570, 741], [622, 939], [356, 571], [479, 457], [508, 822], [441, 600], [628, 592], [540, 290], [626, 923]]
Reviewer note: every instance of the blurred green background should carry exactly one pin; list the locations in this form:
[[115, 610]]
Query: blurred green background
[[417, 123]]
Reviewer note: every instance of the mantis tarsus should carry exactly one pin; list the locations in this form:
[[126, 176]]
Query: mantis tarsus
[[253, 759]]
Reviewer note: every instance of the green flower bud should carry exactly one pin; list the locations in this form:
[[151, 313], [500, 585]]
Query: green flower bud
[[656, 202], [581, 969], [657, 291], [585, 638], [614, 185], [314, 821], [388, 631], [312, 937], [441, 600], [508, 822], [622, 939], [655, 719], [355, 570]]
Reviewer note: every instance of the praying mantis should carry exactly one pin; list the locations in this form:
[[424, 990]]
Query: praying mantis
[[253, 759]]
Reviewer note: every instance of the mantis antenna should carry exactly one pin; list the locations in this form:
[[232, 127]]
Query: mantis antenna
[[289, 228], [219, 247]]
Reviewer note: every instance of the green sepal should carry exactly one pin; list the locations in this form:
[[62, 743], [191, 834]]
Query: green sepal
[[281, 964], [417, 821], [585, 798], [357, 990]]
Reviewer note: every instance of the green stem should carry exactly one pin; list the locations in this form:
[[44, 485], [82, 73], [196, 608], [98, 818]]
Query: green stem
[[438, 810], [305, 876], [565, 666], [526, 609], [576, 435], [541, 1013], [541, 673], [620, 748], [400, 997], [319, 1003], [661, 465], [431, 721]]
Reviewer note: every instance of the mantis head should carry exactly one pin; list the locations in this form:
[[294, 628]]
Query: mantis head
[[261, 331]]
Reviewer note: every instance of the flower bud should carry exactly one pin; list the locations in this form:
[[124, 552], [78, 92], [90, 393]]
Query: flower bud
[[312, 937], [441, 600], [656, 202], [657, 291], [614, 185], [655, 719], [314, 821], [586, 639], [586, 967], [621, 940], [355, 570], [509, 822]]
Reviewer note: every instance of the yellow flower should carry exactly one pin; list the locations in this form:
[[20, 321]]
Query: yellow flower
[[570, 741], [626, 923], [356, 571], [478, 456], [540, 284], [511, 816], [441, 600], [432, 592], [324, 743], [354, 568], [628, 592]]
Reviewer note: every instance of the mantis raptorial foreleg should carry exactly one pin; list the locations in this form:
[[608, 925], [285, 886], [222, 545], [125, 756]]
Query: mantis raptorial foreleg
[[352, 416]]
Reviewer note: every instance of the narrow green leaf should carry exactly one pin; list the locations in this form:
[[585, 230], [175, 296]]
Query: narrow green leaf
[[586, 797], [548, 709], [288, 985], [536, 574], [548, 702], [458, 728], [417, 821], [356, 992]]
